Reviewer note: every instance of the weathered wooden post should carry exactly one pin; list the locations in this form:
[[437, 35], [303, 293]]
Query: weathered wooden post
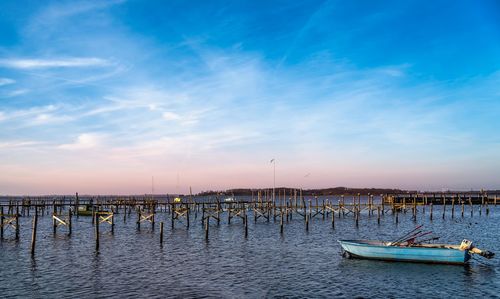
[[96, 231], [463, 209], [333, 218], [161, 233], [187, 216], [70, 222], [17, 222], [2, 218], [54, 224], [378, 214], [139, 218], [153, 219], [124, 213], [207, 224], [307, 222], [113, 222], [246, 225], [33, 232], [77, 204], [173, 214], [281, 224]]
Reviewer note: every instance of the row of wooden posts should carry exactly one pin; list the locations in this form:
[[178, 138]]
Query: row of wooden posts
[[281, 208]]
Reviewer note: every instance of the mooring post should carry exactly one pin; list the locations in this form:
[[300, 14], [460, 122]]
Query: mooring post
[[172, 207], [113, 222], [307, 222], [281, 224], [207, 224], [96, 231], [54, 223], [139, 218], [246, 225], [17, 222], [187, 216], [153, 220], [161, 233], [462, 211], [202, 213], [378, 214], [397, 216], [431, 207], [33, 232], [2, 217], [70, 224], [356, 211], [333, 218]]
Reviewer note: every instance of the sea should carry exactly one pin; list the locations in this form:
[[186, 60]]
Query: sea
[[297, 263]]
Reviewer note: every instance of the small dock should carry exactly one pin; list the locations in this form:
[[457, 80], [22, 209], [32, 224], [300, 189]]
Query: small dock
[[184, 211]]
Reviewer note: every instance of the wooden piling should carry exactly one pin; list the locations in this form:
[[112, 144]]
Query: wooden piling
[[356, 212], [70, 222], [113, 223], [246, 225], [33, 233], [378, 214], [161, 233], [2, 219], [281, 224], [207, 225], [97, 232], [333, 219], [54, 224], [307, 222], [17, 222], [431, 207], [139, 218]]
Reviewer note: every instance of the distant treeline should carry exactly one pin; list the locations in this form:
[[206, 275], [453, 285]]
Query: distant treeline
[[318, 192], [337, 191]]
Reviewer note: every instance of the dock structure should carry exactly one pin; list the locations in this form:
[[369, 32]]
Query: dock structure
[[288, 204]]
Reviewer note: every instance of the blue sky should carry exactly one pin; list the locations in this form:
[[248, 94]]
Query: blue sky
[[99, 96]]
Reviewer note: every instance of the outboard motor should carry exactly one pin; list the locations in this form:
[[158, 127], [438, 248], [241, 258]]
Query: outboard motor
[[467, 245]]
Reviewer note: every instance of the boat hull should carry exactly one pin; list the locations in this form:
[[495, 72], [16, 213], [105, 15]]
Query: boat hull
[[372, 250]]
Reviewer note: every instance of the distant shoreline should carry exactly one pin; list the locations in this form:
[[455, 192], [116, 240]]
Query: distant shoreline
[[278, 190]]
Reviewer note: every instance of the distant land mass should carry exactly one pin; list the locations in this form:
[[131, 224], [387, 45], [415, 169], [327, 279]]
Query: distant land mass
[[331, 191], [319, 192]]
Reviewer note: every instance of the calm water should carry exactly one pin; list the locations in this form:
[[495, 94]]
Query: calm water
[[298, 264]]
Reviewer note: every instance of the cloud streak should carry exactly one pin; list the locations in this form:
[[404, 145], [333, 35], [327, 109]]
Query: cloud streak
[[53, 63], [6, 81]]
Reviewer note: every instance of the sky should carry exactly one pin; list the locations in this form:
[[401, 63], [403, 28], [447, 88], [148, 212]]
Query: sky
[[117, 97]]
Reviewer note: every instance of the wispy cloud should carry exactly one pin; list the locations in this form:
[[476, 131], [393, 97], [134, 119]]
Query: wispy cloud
[[17, 92], [17, 144], [84, 141], [53, 63], [6, 81], [171, 116]]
